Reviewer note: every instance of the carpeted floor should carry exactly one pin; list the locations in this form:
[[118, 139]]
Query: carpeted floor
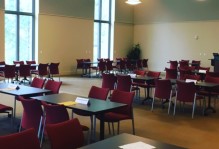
[[181, 130]]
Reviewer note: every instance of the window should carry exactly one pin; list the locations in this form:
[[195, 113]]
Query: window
[[103, 28], [19, 30]]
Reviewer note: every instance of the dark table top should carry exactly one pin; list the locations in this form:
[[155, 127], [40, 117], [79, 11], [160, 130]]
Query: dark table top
[[8, 88], [122, 139], [96, 106]]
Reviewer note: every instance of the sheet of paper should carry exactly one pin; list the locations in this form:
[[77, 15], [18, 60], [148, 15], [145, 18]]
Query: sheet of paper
[[82, 100], [191, 80], [67, 103], [137, 145]]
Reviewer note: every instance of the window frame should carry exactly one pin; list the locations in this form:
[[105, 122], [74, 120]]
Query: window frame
[[19, 13]]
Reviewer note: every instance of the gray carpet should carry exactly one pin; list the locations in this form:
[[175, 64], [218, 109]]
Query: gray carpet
[[182, 130]]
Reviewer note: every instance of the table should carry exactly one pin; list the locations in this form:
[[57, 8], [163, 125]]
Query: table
[[96, 106], [148, 80], [122, 139], [10, 89], [208, 86], [87, 65]]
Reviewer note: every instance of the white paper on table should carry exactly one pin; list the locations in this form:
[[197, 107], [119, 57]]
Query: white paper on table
[[82, 100], [202, 71], [132, 75], [137, 145], [191, 80]]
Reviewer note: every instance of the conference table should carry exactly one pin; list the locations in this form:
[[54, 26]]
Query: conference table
[[95, 106], [20, 90], [130, 141]]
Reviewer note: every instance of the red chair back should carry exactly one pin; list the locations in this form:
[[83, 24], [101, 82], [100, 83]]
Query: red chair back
[[145, 63], [54, 86], [123, 97], [98, 93], [43, 69], [171, 73], [193, 77], [24, 71], [124, 83], [185, 91], [173, 64], [109, 81], [54, 68], [37, 82], [79, 63], [162, 89], [9, 71], [154, 74], [66, 135], [55, 113], [31, 114], [26, 139]]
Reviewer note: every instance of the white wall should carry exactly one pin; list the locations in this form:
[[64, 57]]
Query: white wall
[[64, 39], [161, 42]]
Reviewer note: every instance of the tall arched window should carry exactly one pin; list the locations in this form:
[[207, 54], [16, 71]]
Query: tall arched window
[[19, 30], [103, 28]]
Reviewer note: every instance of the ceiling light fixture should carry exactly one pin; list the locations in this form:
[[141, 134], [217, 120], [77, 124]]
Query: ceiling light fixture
[[133, 2]]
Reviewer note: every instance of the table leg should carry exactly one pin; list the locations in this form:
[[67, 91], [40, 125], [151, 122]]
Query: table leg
[[102, 127], [14, 109], [209, 105]]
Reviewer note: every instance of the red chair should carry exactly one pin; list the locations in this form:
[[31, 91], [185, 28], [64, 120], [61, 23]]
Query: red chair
[[109, 66], [196, 64], [42, 70], [186, 92], [18, 62], [52, 85], [9, 72], [32, 114], [79, 64], [121, 114], [109, 81], [33, 69], [54, 70], [171, 73], [6, 109], [26, 139], [37, 82], [212, 74], [24, 71], [56, 114], [173, 64], [163, 90], [183, 73], [124, 83], [65, 135], [183, 64]]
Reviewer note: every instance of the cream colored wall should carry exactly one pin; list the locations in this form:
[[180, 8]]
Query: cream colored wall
[[2, 36], [162, 42], [123, 39], [64, 39]]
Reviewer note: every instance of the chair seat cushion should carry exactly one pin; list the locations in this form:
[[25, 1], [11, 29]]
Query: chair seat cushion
[[4, 108]]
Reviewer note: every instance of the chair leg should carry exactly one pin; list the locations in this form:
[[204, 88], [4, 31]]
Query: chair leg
[[113, 128], [133, 126], [118, 128], [174, 111], [109, 128]]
